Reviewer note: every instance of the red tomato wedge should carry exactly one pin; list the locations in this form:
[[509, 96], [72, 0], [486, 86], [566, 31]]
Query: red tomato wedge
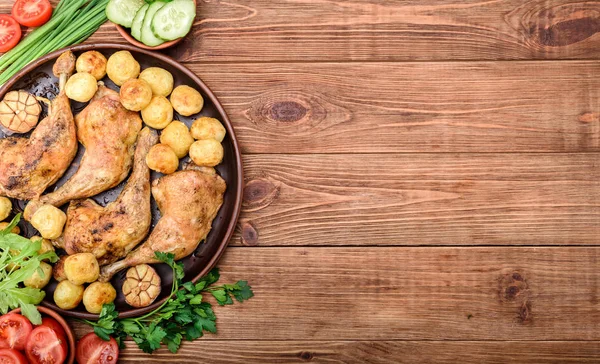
[[54, 325], [11, 356], [14, 331], [45, 346], [10, 33], [93, 350], [32, 13]]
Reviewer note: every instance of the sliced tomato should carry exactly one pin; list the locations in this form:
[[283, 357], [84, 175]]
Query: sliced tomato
[[32, 13], [14, 331], [54, 325], [93, 350], [45, 346], [10, 33], [11, 356]]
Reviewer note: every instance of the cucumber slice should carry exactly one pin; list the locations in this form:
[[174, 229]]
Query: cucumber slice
[[148, 38], [122, 12], [138, 20], [174, 20]]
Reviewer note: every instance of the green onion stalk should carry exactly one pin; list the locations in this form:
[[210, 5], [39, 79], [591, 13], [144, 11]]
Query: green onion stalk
[[72, 22]]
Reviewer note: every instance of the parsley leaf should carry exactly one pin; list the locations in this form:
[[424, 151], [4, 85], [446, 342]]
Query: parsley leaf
[[185, 315]]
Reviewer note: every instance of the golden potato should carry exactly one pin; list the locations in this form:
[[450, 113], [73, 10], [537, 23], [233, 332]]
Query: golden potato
[[160, 80], [68, 295], [208, 128], [5, 208], [135, 94], [186, 101], [177, 136], [49, 221], [46, 244], [162, 158], [92, 62], [15, 230], [59, 269], [121, 66], [82, 268], [97, 294], [39, 281], [207, 152], [81, 87], [159, 113]]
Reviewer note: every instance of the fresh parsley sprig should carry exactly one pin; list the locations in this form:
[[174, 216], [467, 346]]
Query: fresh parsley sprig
[[184, 316]]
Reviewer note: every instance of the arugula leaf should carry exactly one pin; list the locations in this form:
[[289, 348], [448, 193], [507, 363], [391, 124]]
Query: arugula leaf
[[19, 259], [185, 315]]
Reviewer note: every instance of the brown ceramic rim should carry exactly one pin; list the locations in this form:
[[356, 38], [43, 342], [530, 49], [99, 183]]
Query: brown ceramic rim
[[238, 159], [65, 326]]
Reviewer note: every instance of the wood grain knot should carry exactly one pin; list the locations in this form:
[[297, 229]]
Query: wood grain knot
[[305, 355], [514, 289], [258, 194], [287, 111], [560, 25], [512, 286], [588, 117], [249, 234]]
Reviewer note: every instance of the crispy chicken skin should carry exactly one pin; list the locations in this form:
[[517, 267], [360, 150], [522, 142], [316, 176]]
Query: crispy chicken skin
[[28, 166], [108, 132], [188, 201], [111, 232]]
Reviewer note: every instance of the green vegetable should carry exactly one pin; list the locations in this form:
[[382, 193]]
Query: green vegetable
[[148, 37], [19, 259], [72, 22], [174, 20], [122, 12], [183, 316]]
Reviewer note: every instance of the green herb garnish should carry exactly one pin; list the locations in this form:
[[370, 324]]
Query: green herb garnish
[[19, 259], [184, 316]]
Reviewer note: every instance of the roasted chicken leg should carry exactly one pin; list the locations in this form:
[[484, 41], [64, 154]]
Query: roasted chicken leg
[[29, 166], [111, 232], [108, 131], [188, 201]]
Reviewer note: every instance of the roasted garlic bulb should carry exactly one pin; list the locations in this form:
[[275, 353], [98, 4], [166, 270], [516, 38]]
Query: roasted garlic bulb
[[19, 111], [141, 286]]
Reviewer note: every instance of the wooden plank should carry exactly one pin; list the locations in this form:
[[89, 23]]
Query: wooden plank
[[420, 199], [370, 30], [374, 352], [416, 107], [413, 294]]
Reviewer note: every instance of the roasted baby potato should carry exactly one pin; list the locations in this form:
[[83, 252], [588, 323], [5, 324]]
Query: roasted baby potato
[[135, 94], [208, 128], [160, 80], [121, 66], [97, 294], [207, 152], [186, 100], [159, 113], [162, 158], [82, 268], [81, 87], [49, 221], [59, 269], [46, 244], [92, 62], [141, 286], [15, 230], [177, 136], [5, 208], [39, 281], [68, 295]]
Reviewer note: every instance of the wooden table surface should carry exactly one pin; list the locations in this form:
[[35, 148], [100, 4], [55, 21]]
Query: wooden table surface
[[422, 179]]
